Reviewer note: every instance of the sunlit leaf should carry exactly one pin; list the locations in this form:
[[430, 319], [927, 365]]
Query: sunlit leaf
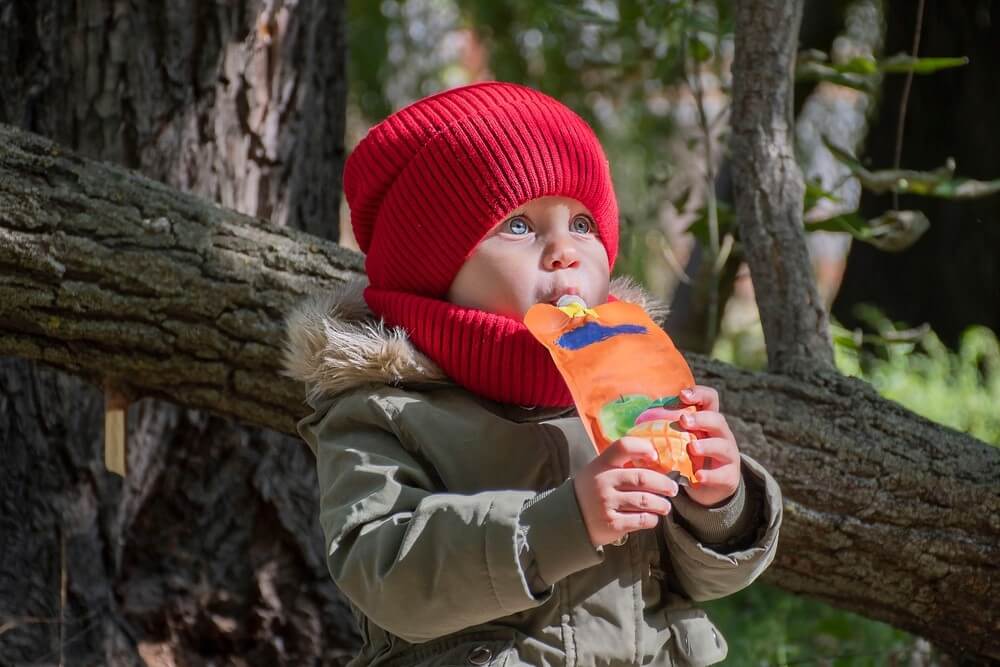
[[859, 72], [902, 63], [859, 65], [940, 182], [893, 231], [815, 71]]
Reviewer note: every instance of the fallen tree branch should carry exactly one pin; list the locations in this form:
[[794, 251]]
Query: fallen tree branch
[[107, 274], [111, 275]]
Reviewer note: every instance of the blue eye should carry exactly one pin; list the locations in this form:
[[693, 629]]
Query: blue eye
[[582, 225], [518, 226]]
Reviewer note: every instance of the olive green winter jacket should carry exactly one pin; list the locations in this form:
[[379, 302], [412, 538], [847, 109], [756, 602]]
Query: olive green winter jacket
[[453, 529]]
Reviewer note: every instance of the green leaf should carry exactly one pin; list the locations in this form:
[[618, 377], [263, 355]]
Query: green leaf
[[699, 227], [699, 50], [902, 63], [940, 182], [852, 223], [814, 193], [583, 15], [892, 231], [859, 65], [815, 71]]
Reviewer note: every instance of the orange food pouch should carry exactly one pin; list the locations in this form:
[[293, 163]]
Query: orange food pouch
[[624, 374]]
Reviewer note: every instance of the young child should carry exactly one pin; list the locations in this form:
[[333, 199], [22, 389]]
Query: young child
[[467, 517]]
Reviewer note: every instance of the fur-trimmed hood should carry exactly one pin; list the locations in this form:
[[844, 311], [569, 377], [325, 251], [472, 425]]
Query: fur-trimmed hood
[[334, 343]]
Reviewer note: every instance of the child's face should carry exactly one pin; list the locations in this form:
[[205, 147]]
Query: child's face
[[544, 249]]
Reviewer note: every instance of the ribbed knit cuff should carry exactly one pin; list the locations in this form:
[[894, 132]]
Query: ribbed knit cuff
[[717, 525]]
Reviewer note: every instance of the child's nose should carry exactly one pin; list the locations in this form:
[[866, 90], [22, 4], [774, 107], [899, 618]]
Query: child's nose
[[561, 255]]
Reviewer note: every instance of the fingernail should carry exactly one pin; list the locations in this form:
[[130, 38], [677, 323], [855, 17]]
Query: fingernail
[[686, 393]]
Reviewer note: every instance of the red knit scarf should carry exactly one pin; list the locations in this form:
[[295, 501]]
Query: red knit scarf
[[489, 354]]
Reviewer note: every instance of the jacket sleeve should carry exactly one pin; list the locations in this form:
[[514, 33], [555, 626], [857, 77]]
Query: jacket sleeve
[[418, 562], [715, 552]]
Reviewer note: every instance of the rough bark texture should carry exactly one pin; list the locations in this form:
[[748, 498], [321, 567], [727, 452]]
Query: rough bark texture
[[117, 277], [769, 190], [878, 500], [238, 102], [210, 552]]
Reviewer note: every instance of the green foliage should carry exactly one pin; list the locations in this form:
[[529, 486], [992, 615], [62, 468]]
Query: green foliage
[[767, 626], [864, 73], [367, 67], [960, 389], [941, 182]]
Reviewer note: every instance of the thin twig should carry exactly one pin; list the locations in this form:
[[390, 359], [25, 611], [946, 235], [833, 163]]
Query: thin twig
[[62, 596], [906, 96], [94, 614], [671, 258], [713, 211], [15, 622]]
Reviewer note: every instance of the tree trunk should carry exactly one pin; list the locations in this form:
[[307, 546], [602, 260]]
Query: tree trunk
[[841, 542], [768, 187], [877, 499], [950, 278], [209, 551]]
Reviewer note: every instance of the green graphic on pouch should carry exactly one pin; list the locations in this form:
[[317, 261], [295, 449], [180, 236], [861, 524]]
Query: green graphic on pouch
[[618, 416]]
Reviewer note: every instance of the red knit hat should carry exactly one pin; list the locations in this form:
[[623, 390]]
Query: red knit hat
[[428, 182]]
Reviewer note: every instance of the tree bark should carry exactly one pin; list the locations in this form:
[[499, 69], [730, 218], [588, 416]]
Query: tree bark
[[769, 190], [210, 552], [117, 277], [878, 501]]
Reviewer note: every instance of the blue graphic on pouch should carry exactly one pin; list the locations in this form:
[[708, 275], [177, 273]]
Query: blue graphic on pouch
[[592, 332]]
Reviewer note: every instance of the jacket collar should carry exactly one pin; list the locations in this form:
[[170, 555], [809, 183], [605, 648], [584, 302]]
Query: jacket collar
[[334, 343]]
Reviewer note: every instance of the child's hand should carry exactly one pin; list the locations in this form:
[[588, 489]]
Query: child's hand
[[720, 475], [614, 500]]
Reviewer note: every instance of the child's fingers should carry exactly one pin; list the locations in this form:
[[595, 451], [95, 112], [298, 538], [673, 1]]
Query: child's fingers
[[720, 450], [712, 423], [636, 501], [722, 476], [627, 522], [643, 479], [628, 449], [704, 397]]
